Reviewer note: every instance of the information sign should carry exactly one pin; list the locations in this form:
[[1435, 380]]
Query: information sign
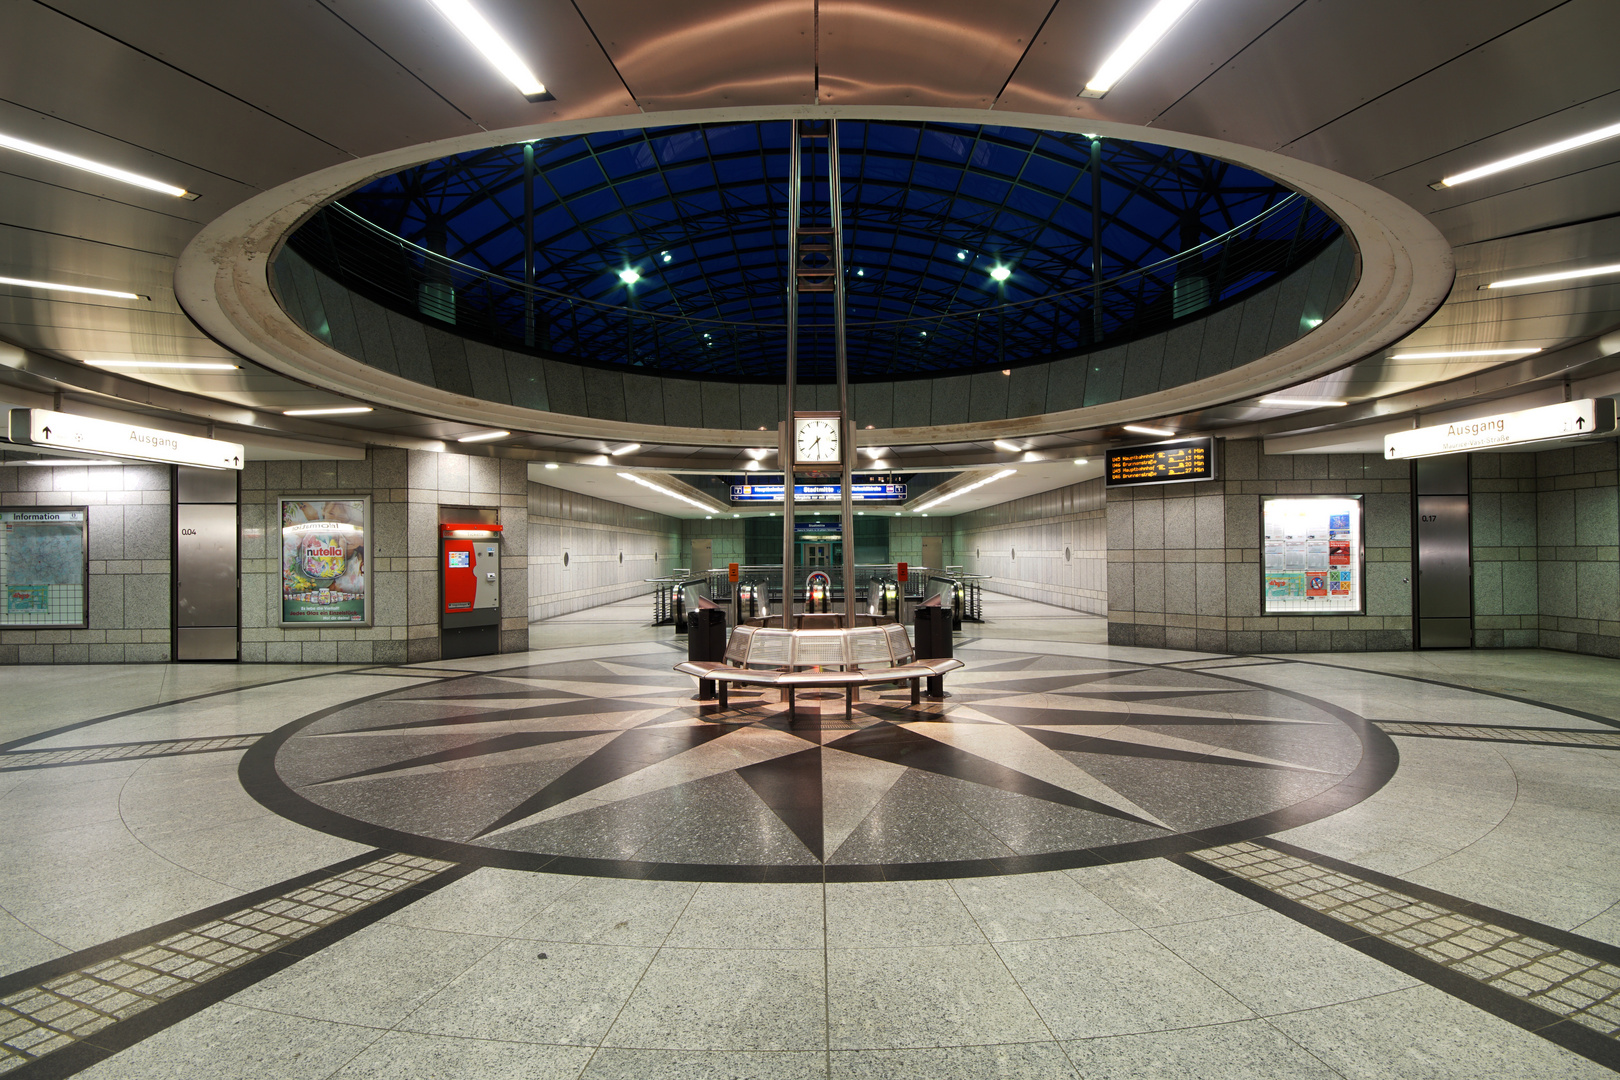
[[42, 566], [1180, 462], [901, 570], [323, 560], [1311, 554], [813, 493], [731, 572], [1566, 420], [84, 435]]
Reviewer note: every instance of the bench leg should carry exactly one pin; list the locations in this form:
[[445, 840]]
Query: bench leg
[[792, 708], [723, 686], [914, 685], [705, 689], [850, 694], [936, 687]]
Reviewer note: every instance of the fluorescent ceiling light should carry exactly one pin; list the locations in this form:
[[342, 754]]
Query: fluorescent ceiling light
[[552, 465], [1002, 444], [54, 286], [483, 436], [1463, 352], [629, 277], [476, 29], [662, 490], [346, 410], [1574, 142], [1000, 273], [74, 161], [1304, 402], [1081, 461], [627, 448], [1146, 34], [1142, 430], [948, 496], [90, 463], [1537, 279], [163, 365]]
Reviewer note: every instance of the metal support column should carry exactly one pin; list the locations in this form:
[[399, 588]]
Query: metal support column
[[528, 244], [1096, 241], [785, 439], [835, 196]]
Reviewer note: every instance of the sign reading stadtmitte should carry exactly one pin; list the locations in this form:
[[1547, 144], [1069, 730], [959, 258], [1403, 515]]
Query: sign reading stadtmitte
[[84, 435], [1566, 420]]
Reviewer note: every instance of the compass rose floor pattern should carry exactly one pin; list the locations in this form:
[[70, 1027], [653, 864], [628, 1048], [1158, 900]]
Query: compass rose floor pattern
[[1036, 760]]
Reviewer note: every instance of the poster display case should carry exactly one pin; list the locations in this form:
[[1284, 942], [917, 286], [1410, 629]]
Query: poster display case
[[44, 553], [1312, 560], [323, 560]]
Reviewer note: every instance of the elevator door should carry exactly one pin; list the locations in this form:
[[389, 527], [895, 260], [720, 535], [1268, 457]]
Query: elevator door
[[818, 554]]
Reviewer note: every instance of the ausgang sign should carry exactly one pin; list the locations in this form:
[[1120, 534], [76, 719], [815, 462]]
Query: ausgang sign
[[83, 435], [1550, 422]]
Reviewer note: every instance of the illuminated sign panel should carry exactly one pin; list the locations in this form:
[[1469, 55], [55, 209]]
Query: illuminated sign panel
[[812, 493], [1566, 420], [1179, 462], [1313, 558], [84, 435]]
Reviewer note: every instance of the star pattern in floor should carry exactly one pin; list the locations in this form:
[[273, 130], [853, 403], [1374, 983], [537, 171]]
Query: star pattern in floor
[[611, 765]]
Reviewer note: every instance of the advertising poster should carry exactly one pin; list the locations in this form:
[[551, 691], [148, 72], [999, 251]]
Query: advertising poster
[[323, 561], [1311, 554]]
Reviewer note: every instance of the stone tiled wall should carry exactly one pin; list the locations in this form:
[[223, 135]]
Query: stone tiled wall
[[1502, 519], [407, 489], [130, 534], [906, 537], [1050, 547], [611, 550], [1184, 559]]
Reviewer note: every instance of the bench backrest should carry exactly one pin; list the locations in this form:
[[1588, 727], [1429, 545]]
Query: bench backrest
[[860, 646]]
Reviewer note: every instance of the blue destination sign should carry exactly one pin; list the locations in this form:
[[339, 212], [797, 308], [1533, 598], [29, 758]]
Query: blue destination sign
[[812, 493], [817, 528]]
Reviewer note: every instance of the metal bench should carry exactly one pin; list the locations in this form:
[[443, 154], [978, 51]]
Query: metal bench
[[861, 655]]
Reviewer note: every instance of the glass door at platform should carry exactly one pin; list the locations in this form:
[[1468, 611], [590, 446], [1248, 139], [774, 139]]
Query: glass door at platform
[[812, 555]]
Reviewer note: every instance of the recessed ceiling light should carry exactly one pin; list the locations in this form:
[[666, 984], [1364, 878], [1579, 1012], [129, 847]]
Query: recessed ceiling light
[[1142, 429], [483, 436], [1574, 142], [1002, 444], [343, 411], [476, 29], [552, 465], [1300, 401], [665, 256], [961, 255], [948, 496], [628, 276], [56, 286], [1146, 34], [628, 448], [163, 365], [1462, 352], [1000, 273], [1081, 461], [1537, 279], [74, 161], [662, 490], [93, 463]]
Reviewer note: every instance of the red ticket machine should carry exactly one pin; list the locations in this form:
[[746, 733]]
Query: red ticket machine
[[469, 589]]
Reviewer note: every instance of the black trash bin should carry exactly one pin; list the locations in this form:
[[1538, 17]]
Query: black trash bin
[[706, 640], [931, 634]]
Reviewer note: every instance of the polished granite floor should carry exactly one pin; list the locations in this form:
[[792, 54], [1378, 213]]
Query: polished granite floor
[[1088, 861]]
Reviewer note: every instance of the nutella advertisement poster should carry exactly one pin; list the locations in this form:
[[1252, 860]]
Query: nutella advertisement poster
[[323, 562]]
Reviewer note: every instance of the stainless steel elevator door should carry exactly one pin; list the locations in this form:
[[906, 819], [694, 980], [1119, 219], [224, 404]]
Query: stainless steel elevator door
[[205, 585], [1445, 583]]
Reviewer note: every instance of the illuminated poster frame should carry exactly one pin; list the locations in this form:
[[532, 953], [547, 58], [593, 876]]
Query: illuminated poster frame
[[1313, 555], [45, 605], [321, 583]]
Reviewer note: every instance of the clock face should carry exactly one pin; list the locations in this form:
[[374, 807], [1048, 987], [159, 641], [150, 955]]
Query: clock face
[[816, 439]]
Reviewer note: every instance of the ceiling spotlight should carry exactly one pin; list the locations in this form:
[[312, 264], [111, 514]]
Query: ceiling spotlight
[[1146, 34], [163, 365], [484, 436], [665, 256], [1081, 461], [879, 463], [628, 448], [74, 161], [345, 410], [1143, 430], [1574, 142], [1303, 402], [476, 29], [628, 276], [1463, 352], [1000, 273], [53, 286], [736, 515], [552, 465], [1537, 279], [860, 273], [1002, 444], [961, 255]]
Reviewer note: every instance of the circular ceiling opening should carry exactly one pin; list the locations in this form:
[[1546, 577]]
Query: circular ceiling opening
[[967, 247]]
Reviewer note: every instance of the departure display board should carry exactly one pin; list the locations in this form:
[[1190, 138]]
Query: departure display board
[[1162, 463]]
